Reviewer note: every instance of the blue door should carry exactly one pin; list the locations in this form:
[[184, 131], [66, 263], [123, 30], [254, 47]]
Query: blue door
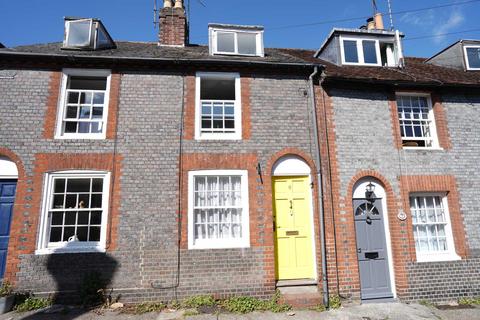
[[7, 198]]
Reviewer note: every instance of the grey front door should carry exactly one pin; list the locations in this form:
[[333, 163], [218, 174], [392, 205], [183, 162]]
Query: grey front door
[[372, 249]]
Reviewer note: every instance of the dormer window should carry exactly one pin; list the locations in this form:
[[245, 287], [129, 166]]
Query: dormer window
[[236, 40], [360, 51], [472, 57], [86, 34]]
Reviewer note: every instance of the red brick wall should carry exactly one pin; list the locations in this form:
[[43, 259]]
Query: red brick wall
[[173, 24], [331, 182], [52, 105], [27, 210], [54, 91]]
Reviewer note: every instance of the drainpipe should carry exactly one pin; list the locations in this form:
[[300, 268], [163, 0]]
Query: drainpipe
[[320, 188]]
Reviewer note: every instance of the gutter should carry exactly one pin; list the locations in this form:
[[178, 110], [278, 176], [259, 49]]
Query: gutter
[[320, 189]]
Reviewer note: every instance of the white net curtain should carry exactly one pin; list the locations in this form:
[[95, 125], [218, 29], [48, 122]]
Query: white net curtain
[[218, 207]]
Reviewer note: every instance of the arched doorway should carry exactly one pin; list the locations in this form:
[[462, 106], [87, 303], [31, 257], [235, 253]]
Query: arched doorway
[[8, 186], [293, 219], [373, 240]]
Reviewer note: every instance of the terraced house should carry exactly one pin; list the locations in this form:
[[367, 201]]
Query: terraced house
[[174, 169]]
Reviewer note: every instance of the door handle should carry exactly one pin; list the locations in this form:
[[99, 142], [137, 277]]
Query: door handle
[[359, 250]]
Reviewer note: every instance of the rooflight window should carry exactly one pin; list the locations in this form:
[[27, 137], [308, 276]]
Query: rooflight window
[[86, 34], [472, 54], [79, 33], [246, 41]]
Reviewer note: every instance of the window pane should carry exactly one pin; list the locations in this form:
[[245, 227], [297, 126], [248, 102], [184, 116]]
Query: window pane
[[70, 127], [78, 185], [87, 83], [473, 55], [212, 88], [369, 51], [79, 33], [350, 50], [247, 43], [55, 234], [226, 42]]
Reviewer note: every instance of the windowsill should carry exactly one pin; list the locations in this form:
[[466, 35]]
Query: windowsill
[[71, 249], [437, 257], [218, 245], [423, 148], [236, 54], [361, 64], [217, 137], [80, 137]]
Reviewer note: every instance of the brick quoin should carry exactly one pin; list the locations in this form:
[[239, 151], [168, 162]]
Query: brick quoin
[[54, 91], [25, 223], [331, 182], [440, 183], [438, 112], [190, 106], [17, 223]]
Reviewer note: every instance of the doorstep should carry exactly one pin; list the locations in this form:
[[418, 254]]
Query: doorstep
[[300, 293]]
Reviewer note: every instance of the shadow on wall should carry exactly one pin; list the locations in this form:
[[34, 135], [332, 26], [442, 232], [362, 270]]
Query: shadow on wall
[[79, 279]]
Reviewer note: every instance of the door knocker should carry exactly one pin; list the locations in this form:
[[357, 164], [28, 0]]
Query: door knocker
[[369, 220]]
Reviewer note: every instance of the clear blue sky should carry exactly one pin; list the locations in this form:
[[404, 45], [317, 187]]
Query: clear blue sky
[[39, 21]]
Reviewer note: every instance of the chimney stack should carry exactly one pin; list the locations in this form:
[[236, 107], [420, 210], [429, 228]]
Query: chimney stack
[[173, 24]]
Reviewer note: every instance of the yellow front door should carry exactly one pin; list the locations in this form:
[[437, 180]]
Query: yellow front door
[[293, 229]]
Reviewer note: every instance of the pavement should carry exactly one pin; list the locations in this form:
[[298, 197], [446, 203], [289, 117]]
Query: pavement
[[380, 311]]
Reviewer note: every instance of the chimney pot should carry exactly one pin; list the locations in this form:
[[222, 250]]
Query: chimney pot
[[370, 24], [378, 21], [167, 3], [179, 4]]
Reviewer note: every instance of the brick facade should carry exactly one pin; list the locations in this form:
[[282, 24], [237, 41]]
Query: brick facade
[[144, 260], [150, 156], [367, 120]]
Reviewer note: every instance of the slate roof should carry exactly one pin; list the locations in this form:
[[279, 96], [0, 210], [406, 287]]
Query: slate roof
[[151, 50], [416, 71]]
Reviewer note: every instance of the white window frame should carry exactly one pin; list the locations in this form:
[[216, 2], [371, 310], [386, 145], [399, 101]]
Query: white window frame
[[237, 135], [466, 56], [243, 242], [361, 58], [66, 73], [431, 117], [450, 254], [90, 34], [259, 42], [43, 244]]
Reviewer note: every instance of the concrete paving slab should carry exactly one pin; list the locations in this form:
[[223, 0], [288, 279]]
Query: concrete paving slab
[[379, 311]]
